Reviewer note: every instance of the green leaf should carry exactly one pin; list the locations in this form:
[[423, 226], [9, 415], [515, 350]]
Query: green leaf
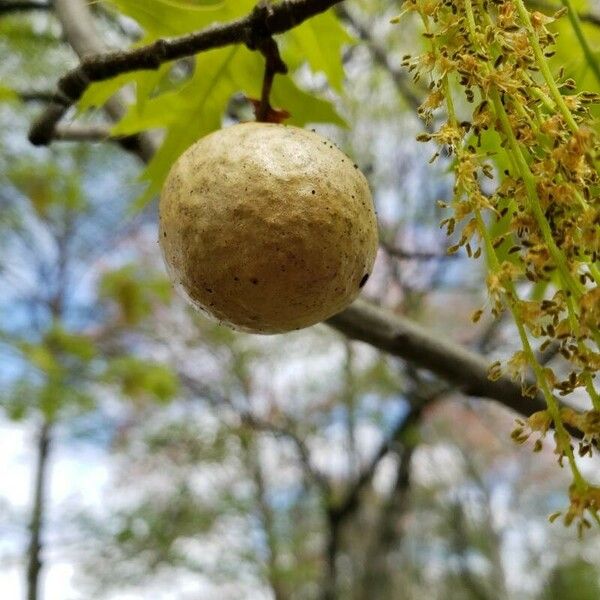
[[196, 108], [8, 94], [319, 41], [141, 379], [75, 345], [97, 94], [164, 18], [47, 186], [42, 358], [135, 291]]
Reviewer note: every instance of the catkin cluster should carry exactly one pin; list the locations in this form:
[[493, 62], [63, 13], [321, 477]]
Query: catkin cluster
[[530, 134]]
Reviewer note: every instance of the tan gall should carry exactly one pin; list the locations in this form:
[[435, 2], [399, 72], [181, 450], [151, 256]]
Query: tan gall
[[268, 228]]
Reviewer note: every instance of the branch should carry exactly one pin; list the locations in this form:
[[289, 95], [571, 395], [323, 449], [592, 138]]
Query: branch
[[76, 132], [416, 255], [35, 95], [8, 7], [381, 56], [454, 363], [38, 512], [302, 449], [341, 511], [79, 30], [258, 424], [260, 23]]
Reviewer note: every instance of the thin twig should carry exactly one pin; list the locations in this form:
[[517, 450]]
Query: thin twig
[[414, 255], [381, 56], [246, 30], [35, 95], [9, 7], [273, 65]]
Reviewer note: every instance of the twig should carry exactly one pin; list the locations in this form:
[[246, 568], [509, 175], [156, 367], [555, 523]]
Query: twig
[[414, 255], [381, 56], [303, 452], [8, 7], [35, 95], [36, 525], [344, 509], [79, 29], [246, 30], [274, 64], [75, 132]]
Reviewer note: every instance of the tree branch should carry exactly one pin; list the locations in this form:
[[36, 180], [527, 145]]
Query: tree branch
[[408, 340], [8, 7], [75, 132], [79, 29], [34, 561], [35, 95], [260, 23], [341, 511], [381, 57], [301, 448], [401, 254]]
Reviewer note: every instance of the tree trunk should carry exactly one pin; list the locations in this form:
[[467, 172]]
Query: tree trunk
[[329, 590], [377, 579], [34, 561]]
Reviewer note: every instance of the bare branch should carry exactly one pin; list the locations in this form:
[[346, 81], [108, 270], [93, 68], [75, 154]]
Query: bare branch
[[341, 511], [260, 23], [75, 132], [9, 7], [79, 29], [258, 424], [414, 255], [36, 525], [303, 452], [35, 95], [381, 56], [408, 340]]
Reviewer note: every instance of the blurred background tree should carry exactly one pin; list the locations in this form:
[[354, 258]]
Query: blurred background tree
[[149, 453]]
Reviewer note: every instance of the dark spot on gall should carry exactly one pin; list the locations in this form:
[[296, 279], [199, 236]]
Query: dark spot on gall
[[363, 280], [254, 281], [236, 278], [355, 166], [313, 192]]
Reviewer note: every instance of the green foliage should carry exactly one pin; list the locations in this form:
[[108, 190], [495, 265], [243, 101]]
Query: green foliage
[[577, 580], [135, 291], [7, 94], [56, 371], [142, 379], [164, 524], [569, 52], [47, 186], [193, 107]]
